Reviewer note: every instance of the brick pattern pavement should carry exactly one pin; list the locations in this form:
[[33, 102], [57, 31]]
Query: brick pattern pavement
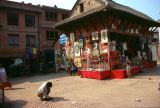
[[75, 92]]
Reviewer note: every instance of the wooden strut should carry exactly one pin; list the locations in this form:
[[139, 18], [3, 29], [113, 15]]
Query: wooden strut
[[3, 95], [112, 20], [127, 24], [154, 29]]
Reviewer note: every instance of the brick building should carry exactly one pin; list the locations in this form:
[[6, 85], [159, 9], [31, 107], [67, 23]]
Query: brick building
[[26, 26]]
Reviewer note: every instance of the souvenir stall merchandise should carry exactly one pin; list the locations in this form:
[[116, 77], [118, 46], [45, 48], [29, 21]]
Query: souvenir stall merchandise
[[105, 54], [92, 59], [108, 56], [63, 54]]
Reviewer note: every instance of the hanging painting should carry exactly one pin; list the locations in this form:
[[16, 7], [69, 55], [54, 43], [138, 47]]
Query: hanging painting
[[77, 62], [95, 50], [104, 48], [72, 37], [71, 53], [76, 49], [104, 37], [63, 39], [80, 41], [95, 36]]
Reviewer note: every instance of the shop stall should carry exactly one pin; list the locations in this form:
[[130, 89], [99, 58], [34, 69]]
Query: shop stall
[[104, 37]]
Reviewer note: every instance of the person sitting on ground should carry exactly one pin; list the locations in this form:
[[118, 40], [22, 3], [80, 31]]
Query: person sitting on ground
[[3, 76], [44, 90], [74, 69]]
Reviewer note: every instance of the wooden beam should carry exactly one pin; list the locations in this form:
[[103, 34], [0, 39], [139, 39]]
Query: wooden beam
[[92, 24], [151, 28], [85, 27], [154, 29], [103, 21], [131, 27], [145, 29], [127, 24], [112, 20], [78, 28]]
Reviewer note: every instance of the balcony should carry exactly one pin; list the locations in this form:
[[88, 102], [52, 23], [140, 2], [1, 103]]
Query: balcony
[[12, 52]]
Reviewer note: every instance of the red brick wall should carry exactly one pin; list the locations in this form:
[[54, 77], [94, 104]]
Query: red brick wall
[[25, 9]]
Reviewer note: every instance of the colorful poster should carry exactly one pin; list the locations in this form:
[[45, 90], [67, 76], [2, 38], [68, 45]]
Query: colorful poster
[[104, 37], [95, 36]]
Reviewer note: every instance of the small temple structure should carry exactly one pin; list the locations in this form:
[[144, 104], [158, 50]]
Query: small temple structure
[[102, 36]]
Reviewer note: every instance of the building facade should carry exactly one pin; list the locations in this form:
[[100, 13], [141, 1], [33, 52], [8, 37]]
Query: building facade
[[26, 29]]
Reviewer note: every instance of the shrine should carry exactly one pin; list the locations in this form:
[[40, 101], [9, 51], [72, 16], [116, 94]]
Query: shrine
[[102, 36]]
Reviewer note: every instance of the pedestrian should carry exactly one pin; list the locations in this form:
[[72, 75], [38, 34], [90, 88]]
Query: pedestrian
[[44, 90], [128, 69], [3, 76], [74, 69]]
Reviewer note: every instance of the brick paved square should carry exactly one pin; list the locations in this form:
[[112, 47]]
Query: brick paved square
[[75, 92]]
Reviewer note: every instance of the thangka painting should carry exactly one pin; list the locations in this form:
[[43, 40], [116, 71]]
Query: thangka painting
[[104, 37], [80, 41], [71, 53], [95, 50], [95, 36], [77, 62], [104, 48], [72, 37], [76, 49]]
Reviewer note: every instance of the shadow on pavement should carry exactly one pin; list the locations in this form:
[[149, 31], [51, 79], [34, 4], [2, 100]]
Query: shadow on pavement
[[13, 104], [55, 99], [37, 78], [14, 88]]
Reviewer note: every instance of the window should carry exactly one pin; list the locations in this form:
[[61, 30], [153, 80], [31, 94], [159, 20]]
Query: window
[[13, 40], [51, 16], [30, 41], [64, 16], [51, 35], [81, 7], [12, 19], [30, 21]]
